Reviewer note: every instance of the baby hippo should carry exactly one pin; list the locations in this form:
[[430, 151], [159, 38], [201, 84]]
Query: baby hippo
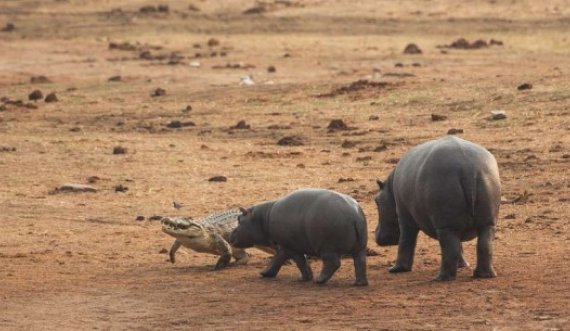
[[449, 189], [307, 222]]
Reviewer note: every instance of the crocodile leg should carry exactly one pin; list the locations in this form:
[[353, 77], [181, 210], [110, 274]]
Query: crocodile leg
[[224, 249], [172, 254]]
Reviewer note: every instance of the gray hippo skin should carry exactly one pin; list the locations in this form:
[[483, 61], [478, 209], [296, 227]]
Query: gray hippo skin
[[307, 222], [448, 188]]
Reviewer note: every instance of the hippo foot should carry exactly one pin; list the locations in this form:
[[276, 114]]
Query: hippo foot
[[361, 282], [444, 278], [268, 274], [480, 273], [399, 268]]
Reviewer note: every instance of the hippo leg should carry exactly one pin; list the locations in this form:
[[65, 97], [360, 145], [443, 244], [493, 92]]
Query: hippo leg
[[240, 255], [406, 249], [360, 268], [331, 262], [450, 244], [462, 262], [301, 262], [276, 263], [172, 254], [484, 267]]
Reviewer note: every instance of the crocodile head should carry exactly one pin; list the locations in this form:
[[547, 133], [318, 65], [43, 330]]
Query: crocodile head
[[181, 227]]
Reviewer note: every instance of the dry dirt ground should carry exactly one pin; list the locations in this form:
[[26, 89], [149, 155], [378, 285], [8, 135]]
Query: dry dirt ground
[[72, 261]]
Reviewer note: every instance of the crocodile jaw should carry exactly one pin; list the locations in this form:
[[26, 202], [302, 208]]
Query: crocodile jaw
[[179, 227]]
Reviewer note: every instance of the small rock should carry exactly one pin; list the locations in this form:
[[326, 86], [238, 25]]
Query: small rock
[[115, 78], [510, 217], [290, 141], [348, 144], [179, 124], [72, 188], [241, 125], [337, 124], [39, 80], [438, 118], [498, 115], [380, 148], [51, 98], [119, 150], [495, 42], [480, 43], [412, 49], [257, 9], [147, 9], [192, 7], [271, 69], [9, 27], [7, 149], [121, 188], [158, 92], [139, 218], [187, 109], [343, 180], [373, 118], [36, 95], [524, 86], [246, 81], [195, 64], [213, 42], [155, 218], [163, 8], [218, 179], [93, 179], [454, 131], [399, 65]]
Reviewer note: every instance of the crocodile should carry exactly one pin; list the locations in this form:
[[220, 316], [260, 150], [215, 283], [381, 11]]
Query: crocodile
[[208, 235]]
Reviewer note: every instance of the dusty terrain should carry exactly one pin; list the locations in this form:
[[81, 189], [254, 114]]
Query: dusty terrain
[[72, 261]]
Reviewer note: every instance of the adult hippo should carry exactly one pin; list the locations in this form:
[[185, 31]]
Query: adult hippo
[[448, 188], [307, 222]]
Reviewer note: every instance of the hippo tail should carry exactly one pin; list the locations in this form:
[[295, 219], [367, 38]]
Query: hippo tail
[[478, 197], [361, 232]]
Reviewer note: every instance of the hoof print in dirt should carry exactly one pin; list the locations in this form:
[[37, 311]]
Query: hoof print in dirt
[[51, 98], [159, 92], [524, 86], [218, 179], [119, 150], [121, 188], [36, 95], [438, 118], [241, 125], [290, 141], [412, 49], [179, 124], [74, 188], [454, 131]]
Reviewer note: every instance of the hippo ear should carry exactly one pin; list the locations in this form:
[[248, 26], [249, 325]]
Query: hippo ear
[[244, 211], [380, 183]]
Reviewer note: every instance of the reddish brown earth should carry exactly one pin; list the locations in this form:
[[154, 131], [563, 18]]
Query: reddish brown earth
[[72, 261]]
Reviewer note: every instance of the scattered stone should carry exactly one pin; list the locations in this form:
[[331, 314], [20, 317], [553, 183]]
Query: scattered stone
[[373, 118], [416, 64], [73, 188], [3, 108], [39, 80], [498, 115], [163, 8], [246, 81], [93, 179], [195, 64], [7, 149], [337, 124], [524, 86], [480, 43], [343, 180], [454, 131], [9, 27], [124, 46], [290, 141], [175, 124], [139, 218], [148, 9], [51, 98], [30, 106], [438, 118], [213, 42], [495, 42], [36, 95], [158, 92], [348, 144], [358, 85], [286, 55], [241, 125], [121, 188], [271, 69], [187, 109], [399, 65], [380, 148], [115, 78], [218, 179], [412, 49], [119, 150], [155, 218], [363, 158], [463, 43]]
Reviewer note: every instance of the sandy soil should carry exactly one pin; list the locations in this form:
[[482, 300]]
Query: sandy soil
[[72, 261]]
